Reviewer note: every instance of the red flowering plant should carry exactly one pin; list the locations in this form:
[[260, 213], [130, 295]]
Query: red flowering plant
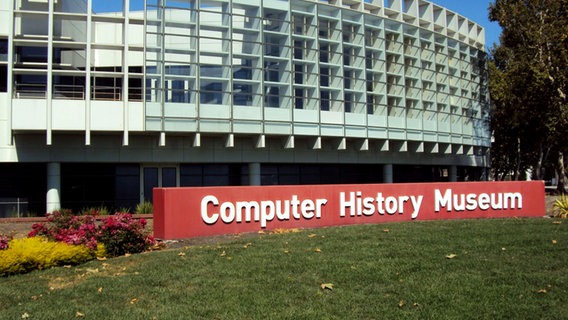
[[119, 233], [63, 226], [4, 242], [122, 234]]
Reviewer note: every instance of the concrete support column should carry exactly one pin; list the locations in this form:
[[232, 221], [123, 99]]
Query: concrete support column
[[453, 174], [387, 173], [254, 174], [53, 186]]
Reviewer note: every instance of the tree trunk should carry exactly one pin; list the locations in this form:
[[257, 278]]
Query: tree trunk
[[538, 170], [561, 172], [517, 172]]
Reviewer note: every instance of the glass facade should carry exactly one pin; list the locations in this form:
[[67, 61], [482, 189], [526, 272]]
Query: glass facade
[[405, 66], [191, 92], [351, 65]]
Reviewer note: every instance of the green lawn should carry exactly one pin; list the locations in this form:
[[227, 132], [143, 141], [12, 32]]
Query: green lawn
[[502, 269]]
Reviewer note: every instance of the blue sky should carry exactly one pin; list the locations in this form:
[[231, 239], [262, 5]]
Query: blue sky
[[475, 10]]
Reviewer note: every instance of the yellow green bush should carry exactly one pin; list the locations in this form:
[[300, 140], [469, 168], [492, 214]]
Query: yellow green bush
[[27, 254], [560, 207]]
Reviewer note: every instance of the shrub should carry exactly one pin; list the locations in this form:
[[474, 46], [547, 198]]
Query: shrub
[[95, 211], [145, 207], [63, 226], [4, 242], [123, 210], [119, 233], [122, 234], [560, 207], [29, 254]]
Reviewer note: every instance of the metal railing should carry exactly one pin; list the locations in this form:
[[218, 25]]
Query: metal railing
[[74, 92], [13, 207]]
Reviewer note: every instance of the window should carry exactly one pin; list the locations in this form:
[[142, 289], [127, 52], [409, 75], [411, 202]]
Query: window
[[299, 98], [31, 55], [3, 67], [324, 100], [3, 78], [4, 50], [324, 77], [298, 74], [298, 50], [324, 53]]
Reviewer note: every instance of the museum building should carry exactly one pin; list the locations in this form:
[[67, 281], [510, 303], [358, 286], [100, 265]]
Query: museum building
[[101, 101]]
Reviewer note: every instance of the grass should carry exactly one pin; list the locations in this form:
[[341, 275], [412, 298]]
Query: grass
[[502, 269]]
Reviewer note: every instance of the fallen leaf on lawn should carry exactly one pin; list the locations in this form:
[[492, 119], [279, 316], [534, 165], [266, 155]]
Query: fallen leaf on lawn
[[126, 255], [312, 235], [557, 222], [247, 245], [328, 286], [317, 250], [181, 254], [451, 256], [554, 242], [415, 304], [223, 253], [34, 298], [25, 316], [261, 232], [133, 300], [68, 266], [79, 314], [401, 303], [92, 270], [386, 231], [286, 251], [503, 249], [100, 290], [542, 291], [101, 258]]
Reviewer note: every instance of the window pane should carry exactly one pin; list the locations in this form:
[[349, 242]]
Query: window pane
[[150, 182], [168, 177]]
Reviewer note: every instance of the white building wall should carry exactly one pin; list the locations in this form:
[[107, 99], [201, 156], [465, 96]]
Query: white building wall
[[451, 37], [6, 149], [5, 16]]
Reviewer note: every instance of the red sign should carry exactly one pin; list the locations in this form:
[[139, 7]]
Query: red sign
[[204, 211]]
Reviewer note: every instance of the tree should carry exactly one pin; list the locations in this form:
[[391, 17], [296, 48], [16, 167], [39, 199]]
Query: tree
[[528, 85]]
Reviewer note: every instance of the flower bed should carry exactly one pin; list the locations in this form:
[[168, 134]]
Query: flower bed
[[70, 239]]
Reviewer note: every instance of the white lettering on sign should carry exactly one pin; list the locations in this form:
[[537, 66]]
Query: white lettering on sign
[[351, 204], [263, 211], [367, 206], [473, 201]]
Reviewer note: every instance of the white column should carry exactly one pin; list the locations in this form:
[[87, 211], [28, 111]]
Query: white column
[[254, 174], [125, 70], [49, 83], [387, 173], [88, 61], [53, 186]]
